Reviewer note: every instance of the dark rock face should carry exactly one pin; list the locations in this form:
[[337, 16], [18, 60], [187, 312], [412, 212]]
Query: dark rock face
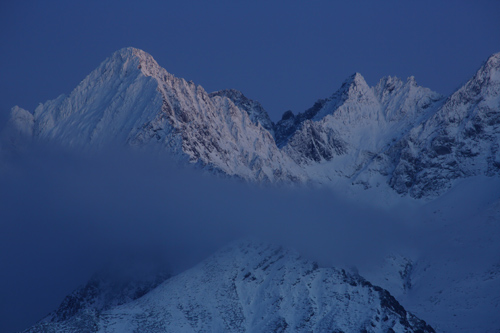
[[289, 123], [315, 143]]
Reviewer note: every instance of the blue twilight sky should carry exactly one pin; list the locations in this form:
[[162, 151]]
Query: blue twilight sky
[[285, 54]]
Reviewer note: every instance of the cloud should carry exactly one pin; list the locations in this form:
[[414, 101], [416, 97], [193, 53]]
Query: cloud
[[65, 215]]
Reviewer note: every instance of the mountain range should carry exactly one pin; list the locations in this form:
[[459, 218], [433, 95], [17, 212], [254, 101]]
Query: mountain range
[[396, 137], [396, 134]]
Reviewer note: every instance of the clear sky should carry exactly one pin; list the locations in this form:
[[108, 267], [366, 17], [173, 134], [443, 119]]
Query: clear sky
[[285, 54]]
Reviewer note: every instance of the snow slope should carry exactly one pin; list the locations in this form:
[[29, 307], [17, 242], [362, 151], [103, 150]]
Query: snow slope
[[252, 287]]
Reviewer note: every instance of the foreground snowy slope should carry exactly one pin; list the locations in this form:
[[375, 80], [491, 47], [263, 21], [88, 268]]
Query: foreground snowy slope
[[252, 287], [395, 134]]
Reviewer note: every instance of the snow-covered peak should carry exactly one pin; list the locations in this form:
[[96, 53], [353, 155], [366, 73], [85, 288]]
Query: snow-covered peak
[[356, 79], [127, 59], [354, 87], [483, 88], [130, 59], [404, 101], [488, 76], [388, 84], [494, 61], [411, 81], [459, 140], [131, 100], [486, 82], [131, 53], [354, 91]]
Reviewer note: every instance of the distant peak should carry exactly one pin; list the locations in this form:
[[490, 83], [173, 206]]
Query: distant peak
[[487, 75], [126, 52], [129, 49], [288, 115], [356, 78], [353, 84], [492, 64], [132, 57], [390, 79], [411, 80], [389, 82], [494, 59], [131, 53]]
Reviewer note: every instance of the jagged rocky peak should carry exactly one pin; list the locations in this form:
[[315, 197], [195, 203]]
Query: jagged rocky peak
[[387, 85], [475, 101], [390, 85], [404, 101], [355, 79], [484, 84], [354, 87], [285, 127], [287, 115], [487, 79], [253, 108], [459, 140], [493, 63], [411, 80], [354, 100], [20, 122]]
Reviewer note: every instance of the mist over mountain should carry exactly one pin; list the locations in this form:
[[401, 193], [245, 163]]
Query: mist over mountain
[[71, 215], [391, 192]]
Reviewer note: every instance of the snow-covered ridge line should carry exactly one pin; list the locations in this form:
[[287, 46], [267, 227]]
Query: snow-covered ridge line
[[396, 133]]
